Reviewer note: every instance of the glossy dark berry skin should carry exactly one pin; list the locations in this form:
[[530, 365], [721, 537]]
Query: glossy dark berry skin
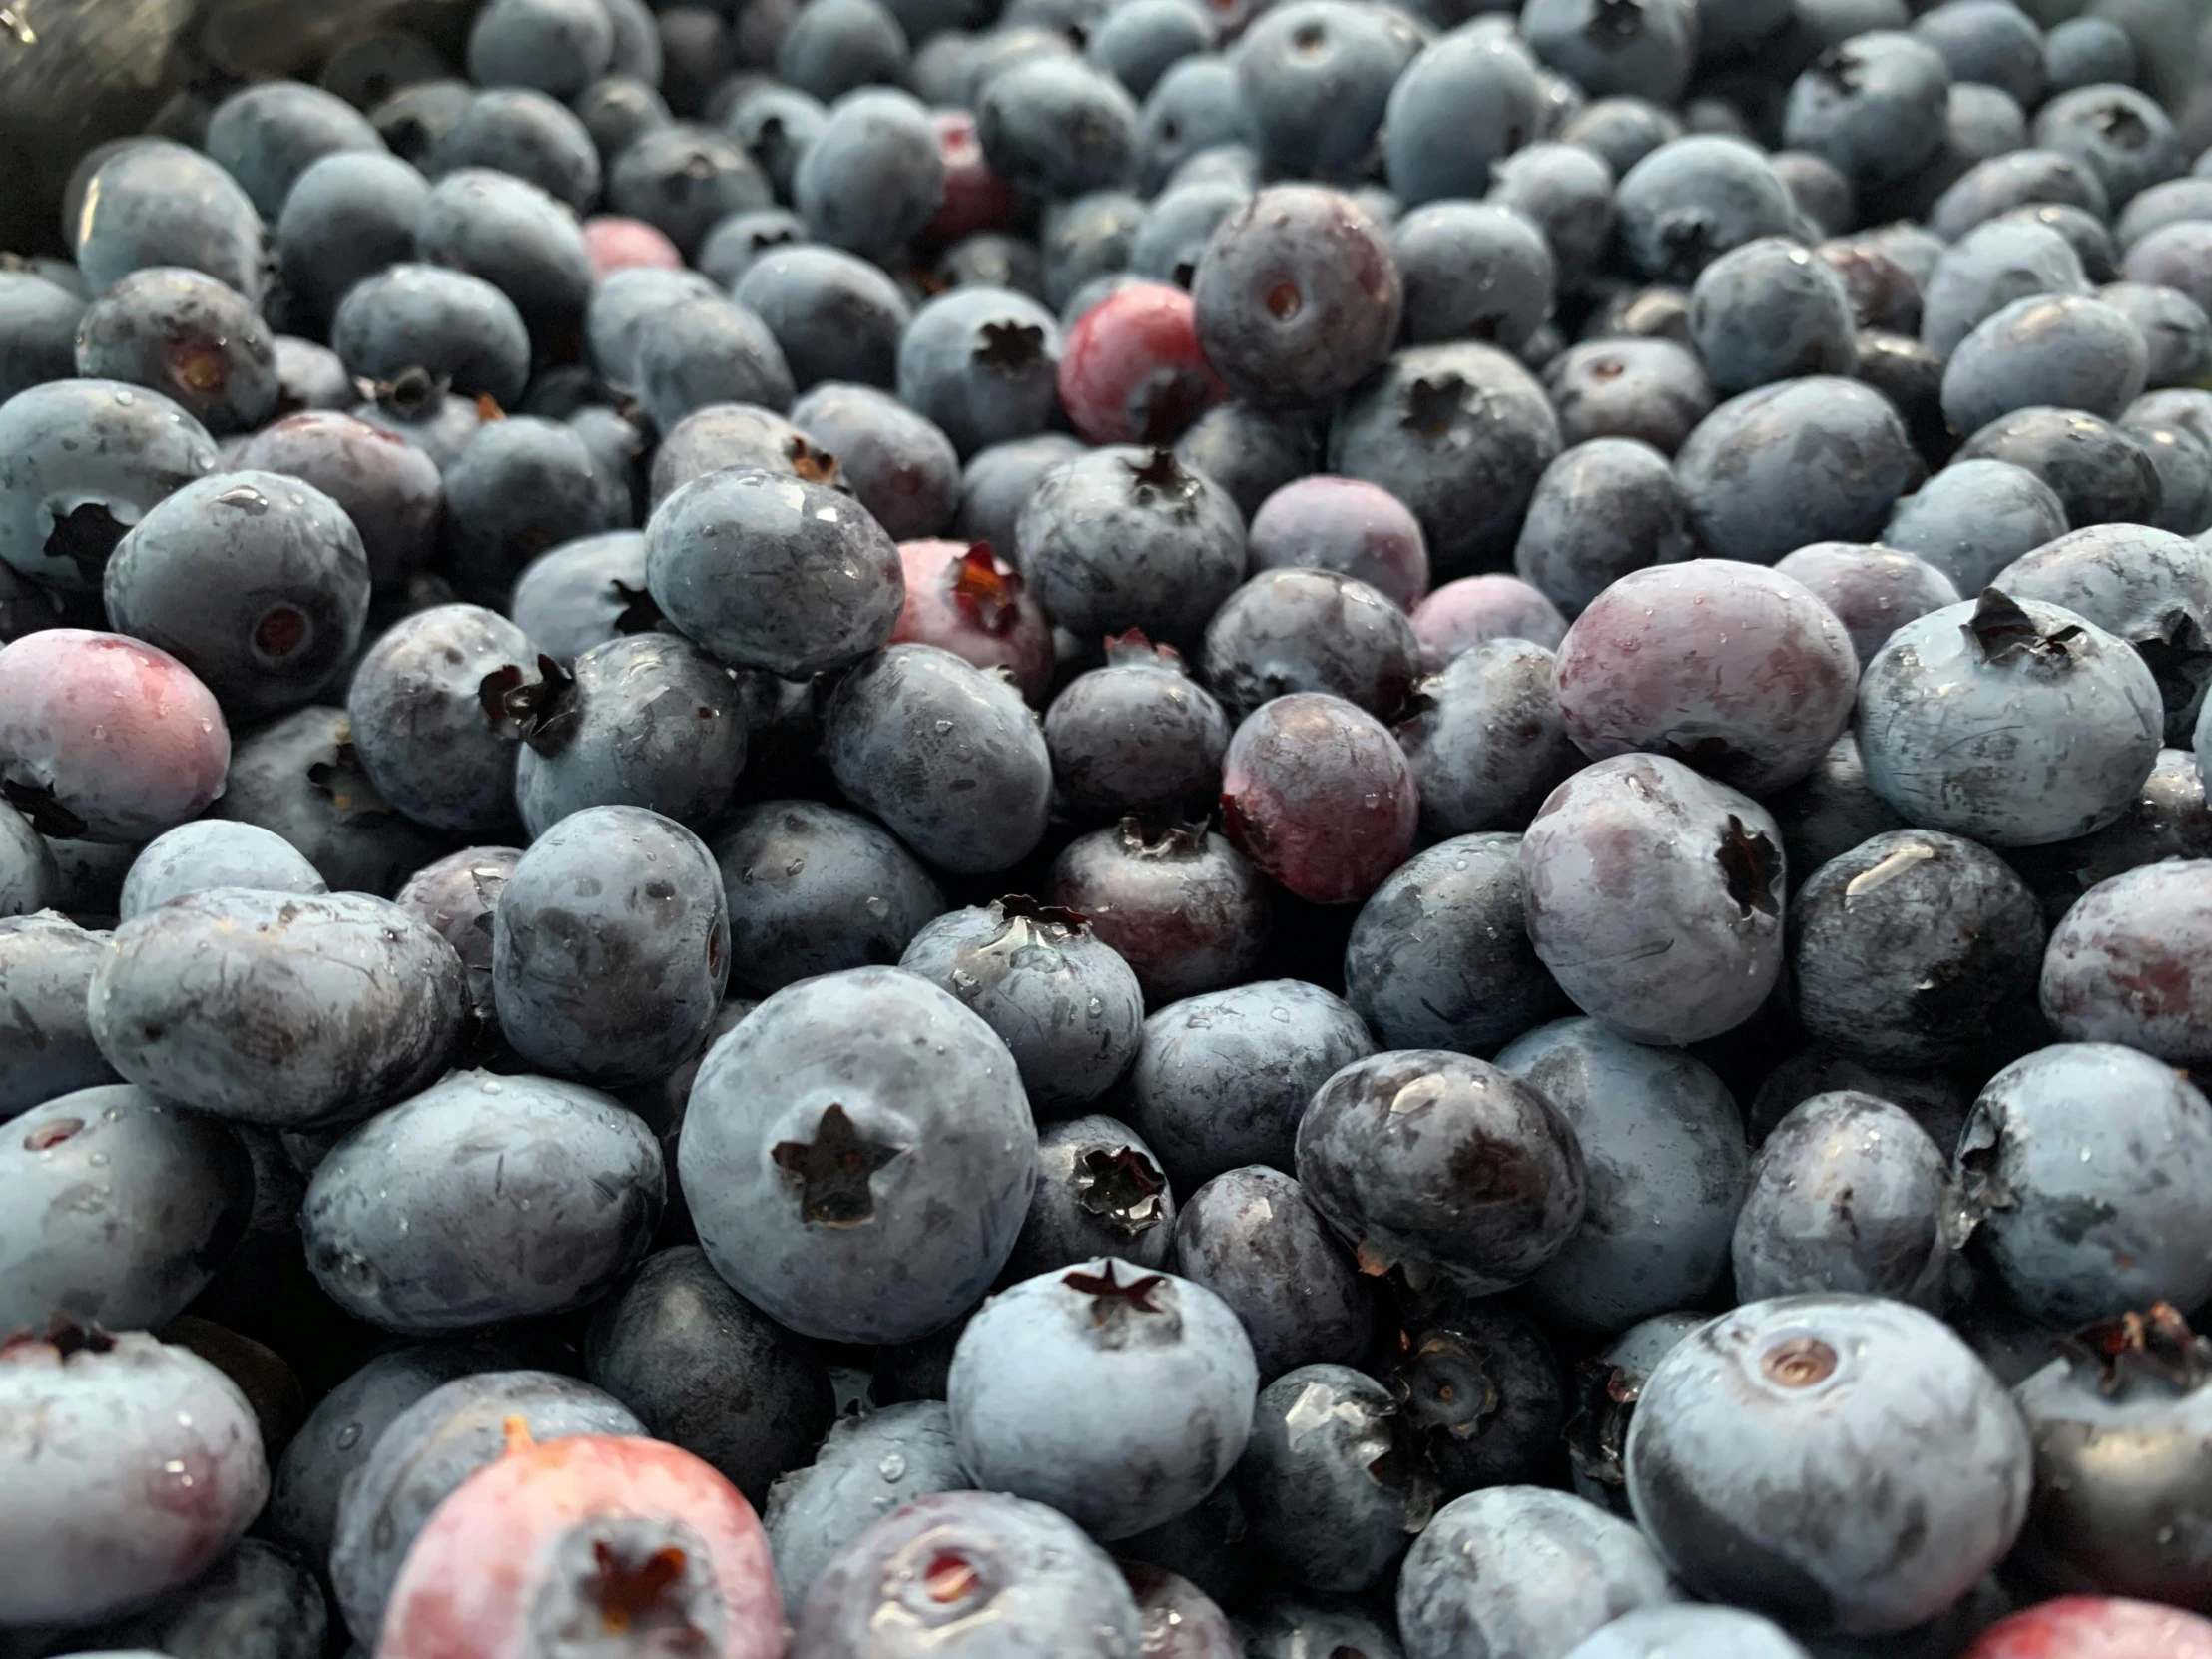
[[1319, 795], [1486, 737], [1300, 630], [1137, 735], [1099, 1192], [460, 327], [1185, 910], [1344, 525], [187, 335], [1327, 1504], [1250, 1235], [391, 490]]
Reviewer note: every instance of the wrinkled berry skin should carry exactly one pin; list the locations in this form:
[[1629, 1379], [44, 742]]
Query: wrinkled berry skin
[[587, 1538], [2012, 724], [278, 1008], [707, 1370], [1222, 1077], [833, 1137], [1120, 1396], [480, 1200], [1831, 1400], [1185, 909], [1654, 895], [1318, 793], [773, 572], [1250, 1235], [949, 756], [1738, 671], [2122, 964], [1663, 1146], [1428, 1157], [105, 738], [1905, 950], [1847, 1194], [970, 1573], [614, 986], [1439, 957], [1066, 1006], [965, 598], [1139, 735], [867, 1466], [1100, 1191], [1317, 1490], [1485, 739], [45, 1046], [81, 462], [1299, 629], [1520, 1569], [2095, 1627], [130, 1465], [426, 1456], [2075, 1239]]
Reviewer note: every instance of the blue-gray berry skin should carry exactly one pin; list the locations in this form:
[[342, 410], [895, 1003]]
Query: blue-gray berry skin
[[1872, 106], [1905, 950], [1608, 505], [30, 881], [1324, 1491], [1987, 270], [1460, 433], [1708, 1632], [159, 203], [705, 351], [571, 599], [997, 482], [1815, 459], [874, 175], [349, 216], [427, 1451], [255, 582], [45, 1046], [2177, 335], [868, 1466], [621, 311], [38, 331], [947, 754], [2064, 350], [1975, 517], [118, 1209], [1282, 1628], [268, 134], [1066, 1006], [1485, 739], [1119, 1396], [1122, 537], [2120, 964], [709, 1371], [2119, 134], [1998, 185], [2085, 1159], [98, 1434], [2151, 588], [1248, 452], [1250, 1235], [211, 853], [81, 462], [2013, 723], [859, 1156], [981, 1573], [301, 777], [342, 1430], [1222, 1077], [1466, 101], [430, 716], [278, 1008], [814, 890], [1522, 1570], [1770, 310], [1300, 630], [1692, 200], [772, 572], [1838, 1462], [1848, 1195], [646, 721], [982, 363], [456, 326], [2167, 820], [2101, 473], [186, 333], [1428, 1157], [1654, 895], [898, 465], [1439, 957], [1830, 811], [723, 436], [1099, 1192], [1597, 1434], [610, 947], [1663, 1143], [480, 1200]]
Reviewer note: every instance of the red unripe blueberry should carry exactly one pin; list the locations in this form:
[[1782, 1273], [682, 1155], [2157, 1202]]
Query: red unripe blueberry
[[614, 244], [963, 598], [976, 198], [587, 1547], [1461, 614], [1316, 792], [1131, 371], [2096, 1627]]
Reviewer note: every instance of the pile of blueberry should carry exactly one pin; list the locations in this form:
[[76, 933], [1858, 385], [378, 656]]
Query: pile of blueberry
[[1093, 828]]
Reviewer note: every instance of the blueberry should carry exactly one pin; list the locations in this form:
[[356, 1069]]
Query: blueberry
[[348, 217], [1099, 1192], [459, 327], [414, 120], [382, 482], [1193, 112], [1471, 272], [187, 335], [1873, 590], [1138, 734], [617, 110], [556, 46], [213, 854], [1313, 77], [1176, 228], [926, 1577], [705, 351], [255, 1594], [523, 132], [38, 331], [99, 1422], [1989, 268], [1714, 1632], [1692, 200], [1654, 391], [982, 363], [965, 598], [1301, 629], [1485, 741], [1828, 1398], [1250, 1235], [1622, 131], [901, 467], [2119, 134], [1318, 793], [2088, 51], [158, 204], [515, 237], [1180, 1620], [1821, 193], [1057, 128], [1139, 43], [455, 897], [1518, 1569], [2117, 968], [610, 971], [2018, 178], [823, 1138], [1322, 1478], [777, 125], [1120, 1345], [1280, 1628], [868, 1467], [1347, 526], [1663, 1143], [1769, 311], [415, 410], [1643, 51], [874, 175], [1872, 106], [1251, 453], [830, 50], [1179, 903], [1476, 610], [2048, 723], [723, 435], [2177, 335], [1566, 191], [835, 316], [1656, 312], [1609, 1383], [425, 1455], [2166, 820], [1974, 518], [1468, 100], [45, 1046], [1663, 943], [1068, 1008]]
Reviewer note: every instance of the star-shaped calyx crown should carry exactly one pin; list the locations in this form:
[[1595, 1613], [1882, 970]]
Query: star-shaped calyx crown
[[832, 1172]]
